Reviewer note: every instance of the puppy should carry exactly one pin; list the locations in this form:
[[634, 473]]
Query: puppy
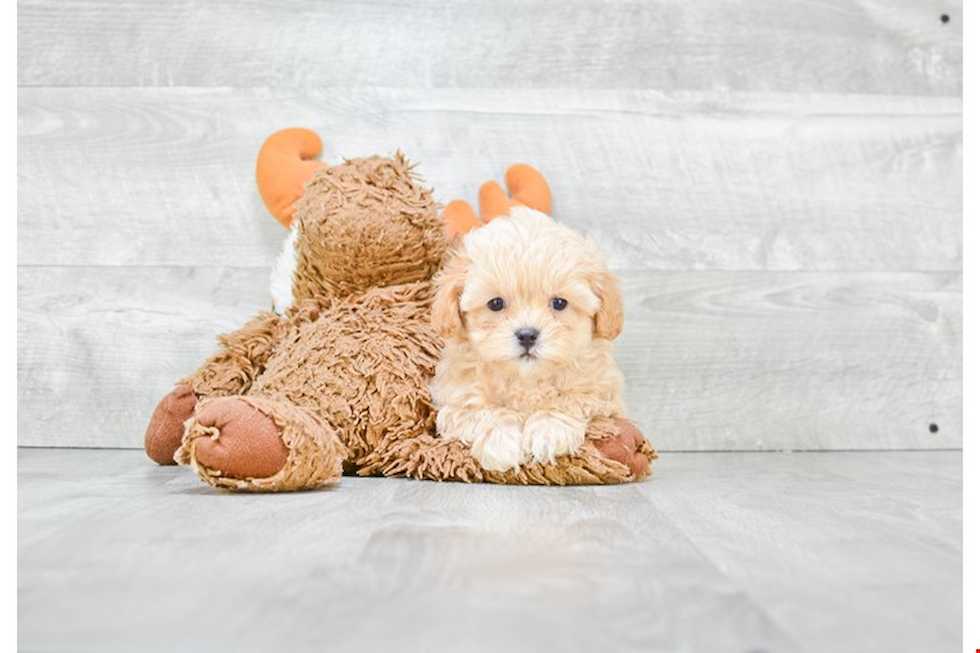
[[528, 311]]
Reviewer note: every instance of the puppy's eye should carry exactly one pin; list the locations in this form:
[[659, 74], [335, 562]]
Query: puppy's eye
[[496, 304], [558, 303]]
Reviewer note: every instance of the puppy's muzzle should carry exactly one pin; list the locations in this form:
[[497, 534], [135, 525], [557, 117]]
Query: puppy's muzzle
[[527, 337]]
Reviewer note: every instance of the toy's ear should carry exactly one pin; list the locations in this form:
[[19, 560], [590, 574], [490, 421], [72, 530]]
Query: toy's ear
[[285, 163], [447, 316], [609, 318]]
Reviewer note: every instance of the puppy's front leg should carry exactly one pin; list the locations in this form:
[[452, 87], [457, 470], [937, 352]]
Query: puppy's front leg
[[548, 435], [493, 434]]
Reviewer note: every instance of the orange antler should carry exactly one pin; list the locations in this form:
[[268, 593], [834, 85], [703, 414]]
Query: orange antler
[[285, 163], [527, 187]]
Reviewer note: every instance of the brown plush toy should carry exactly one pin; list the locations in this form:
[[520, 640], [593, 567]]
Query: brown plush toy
[[339, 382]]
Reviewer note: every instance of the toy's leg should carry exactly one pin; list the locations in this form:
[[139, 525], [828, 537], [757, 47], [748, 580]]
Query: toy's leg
[[425, 458], [166, 426], [622, 441], [242, 441], [239, 361], [230, 371], [614, 452], [261, 444]]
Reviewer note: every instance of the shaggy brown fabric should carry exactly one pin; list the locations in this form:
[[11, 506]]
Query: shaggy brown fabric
[[239, 361], [344, 375], [366, 223], [434, 459]]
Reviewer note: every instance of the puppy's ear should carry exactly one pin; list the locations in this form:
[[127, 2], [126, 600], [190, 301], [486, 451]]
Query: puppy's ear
[[447, 318], [609, 319]]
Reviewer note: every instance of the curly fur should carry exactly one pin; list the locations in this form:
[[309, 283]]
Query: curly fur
[[515, 404]]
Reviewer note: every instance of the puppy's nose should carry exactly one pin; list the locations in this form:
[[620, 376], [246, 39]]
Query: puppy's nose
[[527, 337]]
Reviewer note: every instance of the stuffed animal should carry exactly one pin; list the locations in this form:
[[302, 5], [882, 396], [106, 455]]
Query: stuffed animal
[[337, 380]]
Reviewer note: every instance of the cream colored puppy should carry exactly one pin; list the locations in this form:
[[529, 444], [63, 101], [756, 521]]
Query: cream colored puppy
[[528, 310]]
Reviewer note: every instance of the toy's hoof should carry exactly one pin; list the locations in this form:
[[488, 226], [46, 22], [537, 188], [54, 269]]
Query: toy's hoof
[[629, 448], [248, 444], [166, 426]]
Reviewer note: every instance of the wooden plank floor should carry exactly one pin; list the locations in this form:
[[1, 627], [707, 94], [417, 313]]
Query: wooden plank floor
[[854, 551]]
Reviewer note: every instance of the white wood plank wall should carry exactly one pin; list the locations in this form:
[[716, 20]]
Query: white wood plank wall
[[779, 185]]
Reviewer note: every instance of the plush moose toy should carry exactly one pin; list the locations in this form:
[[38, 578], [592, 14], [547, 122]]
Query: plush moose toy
[[337, 379]]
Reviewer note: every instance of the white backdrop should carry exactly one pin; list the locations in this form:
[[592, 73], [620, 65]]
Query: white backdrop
[[778, 184]]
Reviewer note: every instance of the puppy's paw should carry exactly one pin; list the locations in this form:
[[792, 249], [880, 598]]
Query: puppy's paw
[[549, 435], [467, 426], [500, 448]]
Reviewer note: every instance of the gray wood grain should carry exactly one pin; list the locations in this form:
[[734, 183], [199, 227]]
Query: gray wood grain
[[734, 552], [671, 180], [811, 537], [766, 360], [781, 184], [99, 347], [853, 46], [713, 360]]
